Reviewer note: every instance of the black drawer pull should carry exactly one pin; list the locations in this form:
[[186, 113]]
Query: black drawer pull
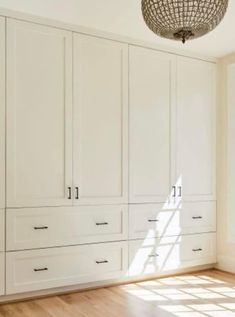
[[153, 220], [153, 255], [102, 223], [69, 193], [40, 228], [102, 262], [41, 270], [197, 250], [197, 217]]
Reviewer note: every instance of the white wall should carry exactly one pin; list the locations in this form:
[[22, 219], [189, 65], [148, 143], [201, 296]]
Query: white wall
[[124, 17], [226, 164]]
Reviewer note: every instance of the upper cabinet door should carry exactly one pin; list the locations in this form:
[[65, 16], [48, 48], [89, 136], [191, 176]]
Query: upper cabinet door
[[151, 97], [195, 130], [39, 115], [2, 113], [100, 120]]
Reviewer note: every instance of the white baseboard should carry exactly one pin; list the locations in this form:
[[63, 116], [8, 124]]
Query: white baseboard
[[226, 263]]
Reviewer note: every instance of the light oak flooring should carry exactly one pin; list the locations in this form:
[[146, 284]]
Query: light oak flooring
[[209, 293]]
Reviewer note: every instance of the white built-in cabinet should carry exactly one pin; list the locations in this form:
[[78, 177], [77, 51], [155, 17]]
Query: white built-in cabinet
[[172, 128], [110, 159], [51, 145], [39, 115], [100, 118]]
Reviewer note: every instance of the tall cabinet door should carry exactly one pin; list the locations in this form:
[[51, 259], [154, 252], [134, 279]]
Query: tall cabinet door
[[195, 130], [151, 97], [100, 120], [39, 115], [2, 113]]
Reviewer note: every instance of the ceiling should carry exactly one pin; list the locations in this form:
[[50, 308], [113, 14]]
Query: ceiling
[[124, 17]]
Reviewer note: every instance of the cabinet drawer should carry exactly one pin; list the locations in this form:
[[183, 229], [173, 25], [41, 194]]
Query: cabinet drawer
[[2, 273], [2, 230], [151, 256], [48, 268], [47, 227], [154, 220]]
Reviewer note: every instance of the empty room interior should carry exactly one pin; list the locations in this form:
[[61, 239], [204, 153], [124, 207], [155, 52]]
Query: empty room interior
[[117, 158]]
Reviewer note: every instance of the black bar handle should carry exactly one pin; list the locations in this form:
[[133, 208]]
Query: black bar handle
[[197, 250], [174, 191], [153, 220], [197, 217], [102, 262], [70, 193], [77, 192], [40, 228], [102, 223], [41, 270], [180, 191], [153, 255]]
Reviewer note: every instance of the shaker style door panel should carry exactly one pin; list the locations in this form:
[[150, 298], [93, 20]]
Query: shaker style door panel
[[151, 84], [39, 115], [151, 256], [56, 267], [100, 120], [2, 113], [61, 226], [195, 130]]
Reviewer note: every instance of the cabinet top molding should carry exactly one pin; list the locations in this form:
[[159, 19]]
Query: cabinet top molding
[[93, 32]]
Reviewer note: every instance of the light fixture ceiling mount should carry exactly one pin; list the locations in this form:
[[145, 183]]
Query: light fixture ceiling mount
[[183, 19]]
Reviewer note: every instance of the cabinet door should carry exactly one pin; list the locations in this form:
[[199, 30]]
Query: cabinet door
[[195, 129], [100, 120], [151, 90], [39, 115], [2, 113]]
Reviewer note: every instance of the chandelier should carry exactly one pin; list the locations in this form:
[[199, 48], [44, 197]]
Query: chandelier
[[183, 19]]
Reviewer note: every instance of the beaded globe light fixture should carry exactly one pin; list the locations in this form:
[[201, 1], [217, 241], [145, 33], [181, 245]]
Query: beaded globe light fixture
[[183, 19]]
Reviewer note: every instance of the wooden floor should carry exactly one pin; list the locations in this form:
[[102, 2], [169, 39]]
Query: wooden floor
[[209, 293]]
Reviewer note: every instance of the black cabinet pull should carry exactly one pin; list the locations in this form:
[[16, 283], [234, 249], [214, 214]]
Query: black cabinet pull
[[174, 191], [77, 193], [40, 228], [41, 270], [180, 191], [197, 250], [69, 193], [197, 217], [153, 220], [101, 262], [102, 223], [153, 255]]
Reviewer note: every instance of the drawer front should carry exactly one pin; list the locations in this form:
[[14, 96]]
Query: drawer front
[[152, 256], [155, 220], [2, 273], [2, 230], [55, 267], [59, 226]]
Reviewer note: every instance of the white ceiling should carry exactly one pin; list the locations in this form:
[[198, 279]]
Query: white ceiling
[[124, 17]]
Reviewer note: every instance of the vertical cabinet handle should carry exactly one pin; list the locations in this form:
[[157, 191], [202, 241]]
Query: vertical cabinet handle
[[174, 191], [180, 191], [69, 193], [77, 193]]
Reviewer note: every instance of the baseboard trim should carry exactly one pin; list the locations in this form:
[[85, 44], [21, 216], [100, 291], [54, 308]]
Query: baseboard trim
[[226, 263], [96, 285]]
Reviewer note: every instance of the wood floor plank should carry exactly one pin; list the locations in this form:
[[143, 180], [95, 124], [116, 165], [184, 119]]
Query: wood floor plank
[[208, 293]]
